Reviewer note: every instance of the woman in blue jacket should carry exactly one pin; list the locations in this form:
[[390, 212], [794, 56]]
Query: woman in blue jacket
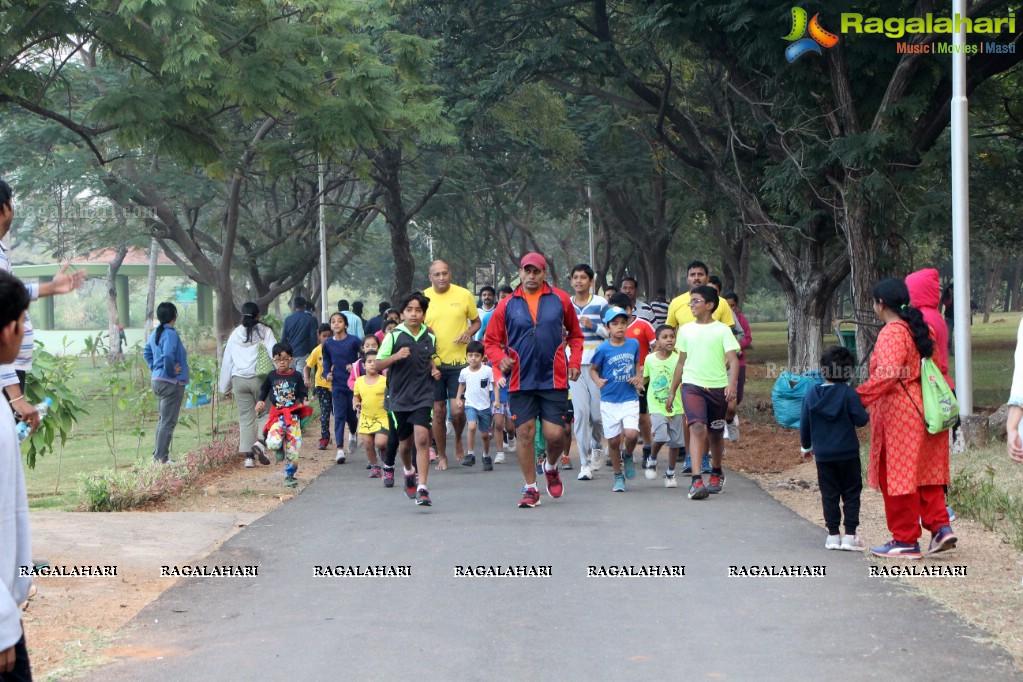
[[167, 359]]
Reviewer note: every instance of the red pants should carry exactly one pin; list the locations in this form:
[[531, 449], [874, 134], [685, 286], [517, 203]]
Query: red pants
[[906, 512]]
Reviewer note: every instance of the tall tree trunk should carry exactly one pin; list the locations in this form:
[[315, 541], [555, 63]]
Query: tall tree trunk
[[993, 280], [1013, 302], [862, 246], [154, 255], [115, 353]]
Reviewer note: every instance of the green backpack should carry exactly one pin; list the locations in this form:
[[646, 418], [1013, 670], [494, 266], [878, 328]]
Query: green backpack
[[941, 409]]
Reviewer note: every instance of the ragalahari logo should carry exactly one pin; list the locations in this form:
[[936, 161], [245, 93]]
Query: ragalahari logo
[[801, 45]]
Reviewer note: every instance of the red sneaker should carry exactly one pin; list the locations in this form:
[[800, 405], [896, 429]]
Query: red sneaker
[[324, 442], [530, 498], [554, 487]]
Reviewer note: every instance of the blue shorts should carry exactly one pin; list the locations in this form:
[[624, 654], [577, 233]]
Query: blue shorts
[[481, 417]]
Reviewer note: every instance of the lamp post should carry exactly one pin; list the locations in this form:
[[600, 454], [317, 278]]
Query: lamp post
[[961, 219]]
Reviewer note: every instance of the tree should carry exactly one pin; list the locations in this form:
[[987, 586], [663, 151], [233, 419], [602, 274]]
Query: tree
[[187, 83]]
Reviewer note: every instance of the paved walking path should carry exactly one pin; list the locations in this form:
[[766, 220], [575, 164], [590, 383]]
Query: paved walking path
[[287, 624]]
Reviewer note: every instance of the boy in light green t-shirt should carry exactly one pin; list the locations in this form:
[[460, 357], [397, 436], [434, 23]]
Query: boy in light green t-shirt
[[708, 370], [667, 428]]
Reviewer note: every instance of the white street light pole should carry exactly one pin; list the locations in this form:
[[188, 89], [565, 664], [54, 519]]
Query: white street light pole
[[961, 219]]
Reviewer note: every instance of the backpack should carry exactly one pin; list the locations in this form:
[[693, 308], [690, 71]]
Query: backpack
[[941, 409]]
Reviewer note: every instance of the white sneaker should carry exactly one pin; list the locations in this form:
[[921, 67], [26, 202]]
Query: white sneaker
[[853, 543], [340, 457], [669, 481], [250, 463], [499, 457], [584, 474], [833, 542], [732, 430], [650, 468], [596, 459]]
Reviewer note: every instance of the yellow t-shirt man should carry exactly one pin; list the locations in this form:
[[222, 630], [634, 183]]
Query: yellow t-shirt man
[[315, 359], [679, 312], [448, 316]]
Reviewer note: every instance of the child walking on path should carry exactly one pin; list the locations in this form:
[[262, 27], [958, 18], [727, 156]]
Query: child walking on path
[[615, 370], [667, 425], [476, 394], [827, 433], [368, 399], [287, 394], [407, 353], [168, 361], [708, 370], [321, 387], [339, 354]]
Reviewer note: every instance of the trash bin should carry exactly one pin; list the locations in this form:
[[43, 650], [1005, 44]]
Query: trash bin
[[847, 339]]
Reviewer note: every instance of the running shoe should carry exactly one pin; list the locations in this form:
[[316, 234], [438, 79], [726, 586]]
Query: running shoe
[[897, 550], [374, 471], [833, 542], [554, 486], [260, 452], [732, 430], [340, 457], [566, 463], [630, 466], [499, 457], [488, 464], [687, 466], [619, 486], [530, 498], [716, 483], [650, 468], [585, 474], [669, 481], [423, 497], [433, 454], [852, 543], [596, 459], [951, 515], [322, 445], [942, 541], [250, 463], [388, 478], [469, 460], [706, 465], [290, 481], [411, 483], [697, 491]]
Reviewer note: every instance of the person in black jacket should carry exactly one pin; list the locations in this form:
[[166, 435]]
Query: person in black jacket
[[827, 433]]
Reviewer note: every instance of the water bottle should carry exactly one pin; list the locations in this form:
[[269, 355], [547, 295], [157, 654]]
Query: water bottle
[[23, 427]]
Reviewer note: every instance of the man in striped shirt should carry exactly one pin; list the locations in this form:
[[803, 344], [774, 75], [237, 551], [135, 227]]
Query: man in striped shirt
[[12, 376], [587, 428]]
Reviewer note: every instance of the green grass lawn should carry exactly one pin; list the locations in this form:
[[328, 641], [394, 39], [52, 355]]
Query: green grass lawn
[[93, 446]]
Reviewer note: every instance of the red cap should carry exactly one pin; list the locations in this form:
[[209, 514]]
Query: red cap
[[534, 259]]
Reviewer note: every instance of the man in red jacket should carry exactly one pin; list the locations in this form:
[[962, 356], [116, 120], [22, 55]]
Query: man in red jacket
[[526, 339]]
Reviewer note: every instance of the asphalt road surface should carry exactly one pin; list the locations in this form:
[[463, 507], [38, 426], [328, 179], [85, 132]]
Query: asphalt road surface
[[286, 623]]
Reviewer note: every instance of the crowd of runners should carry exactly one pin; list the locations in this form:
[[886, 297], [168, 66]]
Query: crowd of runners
[[522, 371]]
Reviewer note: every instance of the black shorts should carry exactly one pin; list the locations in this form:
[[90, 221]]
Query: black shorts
[[742, 384], [405, 422], [704, 405], [447, 386], [551, 406], [642, 402]]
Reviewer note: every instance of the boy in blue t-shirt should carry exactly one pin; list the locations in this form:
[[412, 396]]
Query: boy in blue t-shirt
[[614, 368]]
